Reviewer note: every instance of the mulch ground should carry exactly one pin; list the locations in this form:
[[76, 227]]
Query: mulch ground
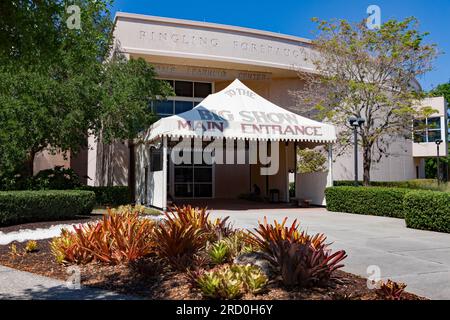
[[48, 224], [150, 279]]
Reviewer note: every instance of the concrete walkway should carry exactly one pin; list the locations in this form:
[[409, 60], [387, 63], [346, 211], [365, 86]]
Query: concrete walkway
[[421, 259], [21, 285]]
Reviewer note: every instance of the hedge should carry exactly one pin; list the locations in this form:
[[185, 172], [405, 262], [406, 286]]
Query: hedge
[[376, 201], [32, 206], [426, 184], [110, 196], [427, 210]]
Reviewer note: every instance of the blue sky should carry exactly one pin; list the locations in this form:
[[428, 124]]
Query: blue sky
[[294, 17]]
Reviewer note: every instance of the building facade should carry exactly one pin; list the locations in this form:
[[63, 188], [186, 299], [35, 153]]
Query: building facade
[[198, 59]]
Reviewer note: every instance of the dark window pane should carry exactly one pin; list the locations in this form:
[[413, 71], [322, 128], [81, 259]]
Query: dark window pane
[[163, 107], [203, 190], [434, 135], [170, 82], [419, 136], [434, 123], [419, 124], [184, 191], [182, 106], [155, 160], [202, 90], [184, 88], [183, 174], [203, 174]]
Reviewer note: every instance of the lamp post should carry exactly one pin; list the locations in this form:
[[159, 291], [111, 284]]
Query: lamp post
[[356, 123], [438, 143]]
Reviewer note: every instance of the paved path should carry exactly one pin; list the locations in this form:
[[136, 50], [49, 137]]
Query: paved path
[[421, 259], [16, 284]]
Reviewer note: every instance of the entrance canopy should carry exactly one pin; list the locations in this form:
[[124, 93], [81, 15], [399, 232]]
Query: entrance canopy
[[237, 112]]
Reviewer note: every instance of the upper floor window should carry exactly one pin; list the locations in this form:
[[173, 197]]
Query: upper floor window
[[187, 95], [427, 130]]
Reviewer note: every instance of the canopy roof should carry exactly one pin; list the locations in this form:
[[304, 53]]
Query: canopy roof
[[237, 112]]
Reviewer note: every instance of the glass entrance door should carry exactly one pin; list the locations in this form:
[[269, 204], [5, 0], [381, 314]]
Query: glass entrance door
[[193, 181]]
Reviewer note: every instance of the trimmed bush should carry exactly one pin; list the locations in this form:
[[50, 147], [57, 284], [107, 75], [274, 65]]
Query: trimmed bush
[[59, 178], [110, 196], [376, 201], [32, 206], [422, 184], [428, 210]]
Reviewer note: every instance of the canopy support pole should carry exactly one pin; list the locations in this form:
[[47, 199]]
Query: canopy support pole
[[164, 165], [330, 166]]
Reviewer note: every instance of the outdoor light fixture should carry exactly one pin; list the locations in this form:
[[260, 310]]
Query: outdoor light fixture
[[438, 143], [356, 123]]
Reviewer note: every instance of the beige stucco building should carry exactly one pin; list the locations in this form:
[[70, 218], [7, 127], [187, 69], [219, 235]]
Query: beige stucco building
[[199, 58]]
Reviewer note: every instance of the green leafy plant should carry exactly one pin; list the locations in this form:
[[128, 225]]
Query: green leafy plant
[[254, 280], [237, 243], [31, 246], [230, 282], [218, 252], [391, 290], [13, 250], [311, 160]]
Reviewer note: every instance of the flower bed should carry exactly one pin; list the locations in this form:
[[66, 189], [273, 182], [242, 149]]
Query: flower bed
[[189, 256]]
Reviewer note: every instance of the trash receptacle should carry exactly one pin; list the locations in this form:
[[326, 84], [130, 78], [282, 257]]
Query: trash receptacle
[[274, 195]]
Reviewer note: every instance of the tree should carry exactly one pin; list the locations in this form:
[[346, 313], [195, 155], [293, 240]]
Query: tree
[[310, 160], [369, 74], [59, 84], [442, 90]]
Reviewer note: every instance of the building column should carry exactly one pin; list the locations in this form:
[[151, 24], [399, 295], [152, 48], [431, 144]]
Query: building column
[[330, 166], [164, 186]]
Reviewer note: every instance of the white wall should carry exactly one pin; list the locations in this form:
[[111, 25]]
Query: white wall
[[155, 189], [311, 186]]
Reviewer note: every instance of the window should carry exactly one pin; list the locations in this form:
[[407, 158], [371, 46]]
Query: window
[[188, 95], [427, 130], [193, 180], [156, 160]]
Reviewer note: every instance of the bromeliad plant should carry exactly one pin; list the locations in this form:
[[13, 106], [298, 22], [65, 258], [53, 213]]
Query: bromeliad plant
[[301, 259], [184, 233], [230, 282], [391, 290], [267, 233], [31, 246], [300, 264], [120, 237], [218, 252]]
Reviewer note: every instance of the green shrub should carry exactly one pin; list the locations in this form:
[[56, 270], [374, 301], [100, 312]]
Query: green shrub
[[376, 201], [59, 178], [110, 196], [428, 210], [425, 184], [31, 206]]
